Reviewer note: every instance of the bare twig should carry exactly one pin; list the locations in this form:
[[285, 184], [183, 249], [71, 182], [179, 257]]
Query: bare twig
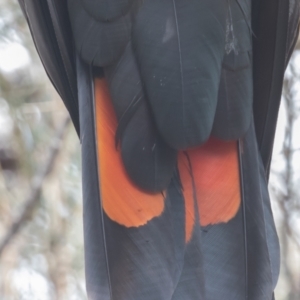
[[36, 186]]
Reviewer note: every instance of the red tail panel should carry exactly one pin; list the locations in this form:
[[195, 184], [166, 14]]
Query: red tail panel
[[214, 170], [122, 201]]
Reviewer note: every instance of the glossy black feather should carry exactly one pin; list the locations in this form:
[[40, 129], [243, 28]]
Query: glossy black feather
[[146, 262], [225, 259], [98, 43], [235, 98], [104, 10], [97, 272], [234, 109], [50, 29], [191, 284], [180, 46], [262, 241], [148, 160]]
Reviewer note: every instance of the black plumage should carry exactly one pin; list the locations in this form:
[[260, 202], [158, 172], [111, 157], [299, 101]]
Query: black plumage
[[149, 161], [106, 10], [180, 69], [200, 53], [191, 83], [235, 97], [99, 43]]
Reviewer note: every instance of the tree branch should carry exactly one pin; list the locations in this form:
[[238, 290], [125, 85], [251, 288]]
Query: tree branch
[[36, 186]]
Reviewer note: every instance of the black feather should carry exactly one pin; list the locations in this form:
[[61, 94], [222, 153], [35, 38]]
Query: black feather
[[148, 160], [99, 43], [235, 99], [146, 262], [224, 260], [180, 46], [262, 241], [104, 10]]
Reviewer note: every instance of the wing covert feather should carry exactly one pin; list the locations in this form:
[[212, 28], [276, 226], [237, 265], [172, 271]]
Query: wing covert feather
[[180, 46], [194, 88], [104, 10], [149, 161], [98, 43], [235, 97]]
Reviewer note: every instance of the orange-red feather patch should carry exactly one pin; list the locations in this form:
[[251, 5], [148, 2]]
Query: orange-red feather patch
[[216, 173], [122, 200], [214, 168], [209, 175]]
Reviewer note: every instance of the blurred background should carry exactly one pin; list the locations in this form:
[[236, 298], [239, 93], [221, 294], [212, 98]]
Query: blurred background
[[41, 238]]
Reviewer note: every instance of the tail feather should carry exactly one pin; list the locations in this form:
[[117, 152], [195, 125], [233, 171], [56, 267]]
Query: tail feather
[[194, 243]]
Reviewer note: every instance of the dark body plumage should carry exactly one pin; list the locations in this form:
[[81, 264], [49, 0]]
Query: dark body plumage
[[190, 66], [178, 73]]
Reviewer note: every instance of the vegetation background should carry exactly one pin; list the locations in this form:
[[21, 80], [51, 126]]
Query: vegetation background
[[41, 236]]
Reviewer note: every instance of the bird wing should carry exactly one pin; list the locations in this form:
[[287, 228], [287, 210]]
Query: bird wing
[[51, 32]]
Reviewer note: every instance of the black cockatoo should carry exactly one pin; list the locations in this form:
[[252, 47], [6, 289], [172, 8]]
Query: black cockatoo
[[175, 103]]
